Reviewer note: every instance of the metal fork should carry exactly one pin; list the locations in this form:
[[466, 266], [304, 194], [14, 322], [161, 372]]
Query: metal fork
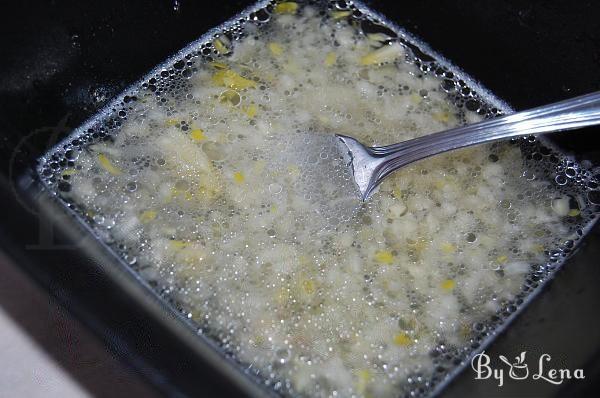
[[370, 165]]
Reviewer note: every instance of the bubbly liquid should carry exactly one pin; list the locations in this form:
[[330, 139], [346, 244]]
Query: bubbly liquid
[[204, 182]]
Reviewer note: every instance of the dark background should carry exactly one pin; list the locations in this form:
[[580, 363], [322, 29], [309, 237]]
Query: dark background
[[60, 61]]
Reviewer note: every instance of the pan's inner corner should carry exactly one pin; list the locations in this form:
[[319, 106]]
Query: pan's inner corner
[[197, 179]]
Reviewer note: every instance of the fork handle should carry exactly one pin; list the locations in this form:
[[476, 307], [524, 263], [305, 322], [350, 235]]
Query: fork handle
[[560, 116]]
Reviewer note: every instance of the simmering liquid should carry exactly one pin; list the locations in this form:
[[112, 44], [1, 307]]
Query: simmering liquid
[[203, 179]]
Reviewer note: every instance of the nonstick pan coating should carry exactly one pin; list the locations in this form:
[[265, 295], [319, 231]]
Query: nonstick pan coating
[[62, 61]]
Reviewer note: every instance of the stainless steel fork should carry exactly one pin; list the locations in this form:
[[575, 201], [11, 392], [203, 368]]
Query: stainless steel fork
[[370, 165]]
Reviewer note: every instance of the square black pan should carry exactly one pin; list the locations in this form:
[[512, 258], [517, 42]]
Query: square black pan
[[62, 61]]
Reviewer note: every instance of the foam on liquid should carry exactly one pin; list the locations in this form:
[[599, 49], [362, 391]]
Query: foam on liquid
[[203, 180]]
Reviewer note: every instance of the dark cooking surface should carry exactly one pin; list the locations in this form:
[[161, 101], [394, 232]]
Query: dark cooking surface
[[62, 60]]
